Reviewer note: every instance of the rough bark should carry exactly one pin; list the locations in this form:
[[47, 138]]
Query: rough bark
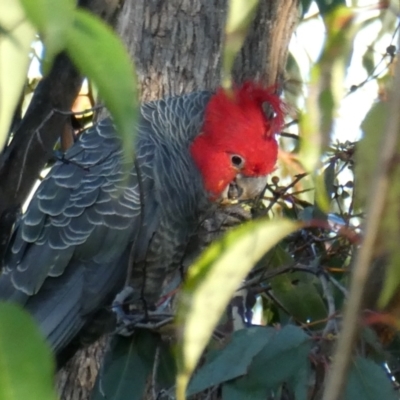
[[264, 53], [76, 380], [176, 45]]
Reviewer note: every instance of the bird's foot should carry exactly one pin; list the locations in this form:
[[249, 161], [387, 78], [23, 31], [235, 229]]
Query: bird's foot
[[130, 317], [122, 310]]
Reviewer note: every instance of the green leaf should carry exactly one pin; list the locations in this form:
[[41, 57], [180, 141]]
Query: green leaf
[[300, 381], [368, 148], [324, 186], [389, 231], [126, 367], [368, 381], [166, 372], [16, 37], [101, 56], [26, 362], [243, 346], [231, 392], [368, 60], [283, 359], [240, 15], [212, 281], [299, 295], [53, 20], [376, 348], [389, 238], [275, 258], [327, 6]]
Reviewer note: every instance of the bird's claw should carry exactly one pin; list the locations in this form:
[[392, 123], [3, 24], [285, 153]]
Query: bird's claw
[[129, 318], [126, 319]]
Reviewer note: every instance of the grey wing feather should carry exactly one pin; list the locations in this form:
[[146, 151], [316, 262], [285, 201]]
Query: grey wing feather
[[70, 249], [56, 224]]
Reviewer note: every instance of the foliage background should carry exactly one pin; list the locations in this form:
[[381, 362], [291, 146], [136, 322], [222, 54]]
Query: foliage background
[[316, 203]]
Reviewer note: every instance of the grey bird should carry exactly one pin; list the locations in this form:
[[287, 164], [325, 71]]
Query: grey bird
[[95, 214]]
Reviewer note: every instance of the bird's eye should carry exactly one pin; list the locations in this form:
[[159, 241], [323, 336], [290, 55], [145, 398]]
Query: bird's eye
[[269, 111], [237, 161]]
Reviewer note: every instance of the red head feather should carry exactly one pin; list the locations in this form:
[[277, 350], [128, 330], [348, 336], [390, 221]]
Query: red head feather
[[235, 123]]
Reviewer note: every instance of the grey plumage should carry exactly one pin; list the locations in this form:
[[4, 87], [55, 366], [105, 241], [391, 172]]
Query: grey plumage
[[69, 253]]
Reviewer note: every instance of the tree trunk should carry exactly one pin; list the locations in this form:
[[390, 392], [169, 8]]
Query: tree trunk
[[176, 46]]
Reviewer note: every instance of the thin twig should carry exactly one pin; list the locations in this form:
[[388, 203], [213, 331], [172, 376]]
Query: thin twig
[[289, 135], [282, 191], [265, 276], [83, 112], [331, 325], [154, 374], [376, 201], [374, 74], [36, 133], [154, 326], [338, 285]]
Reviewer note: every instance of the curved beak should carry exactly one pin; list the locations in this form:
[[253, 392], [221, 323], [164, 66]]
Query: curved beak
[[243, 188]]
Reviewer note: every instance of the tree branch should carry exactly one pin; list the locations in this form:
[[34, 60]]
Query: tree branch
[[264, 53]]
